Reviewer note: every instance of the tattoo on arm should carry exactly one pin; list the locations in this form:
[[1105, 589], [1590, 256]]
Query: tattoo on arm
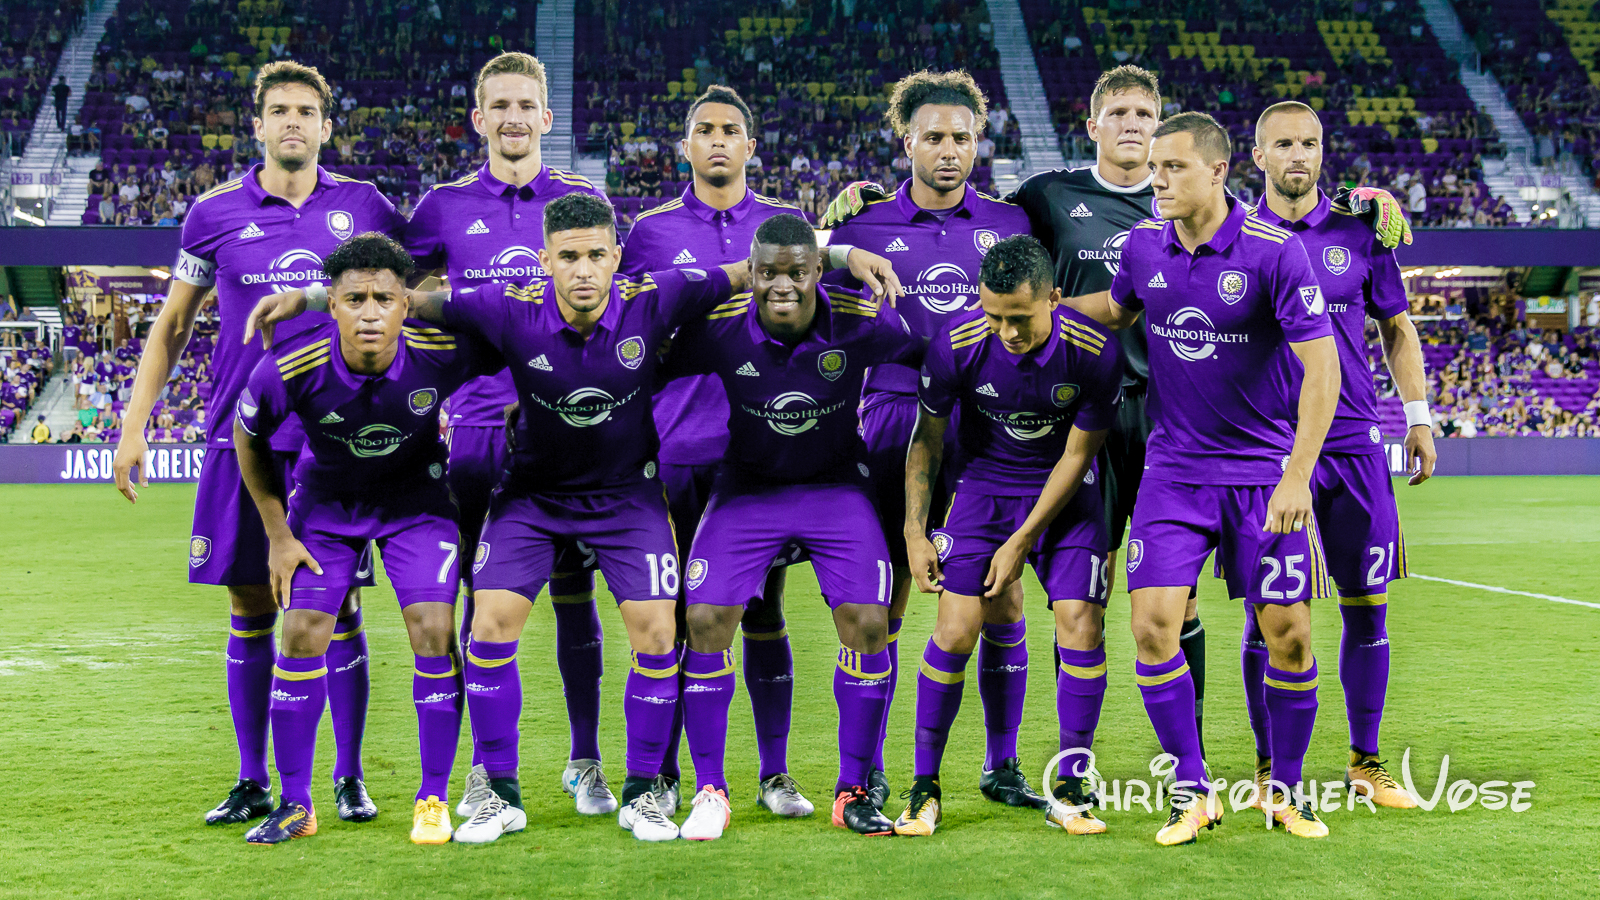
[[738, 275], [429, 305], [922, 466]]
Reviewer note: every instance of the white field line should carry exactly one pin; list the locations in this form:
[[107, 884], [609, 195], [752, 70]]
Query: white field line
[[1501, 590]]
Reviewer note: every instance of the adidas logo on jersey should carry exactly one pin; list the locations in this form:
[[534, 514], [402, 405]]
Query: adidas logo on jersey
[[331, 418], [478, 227], [1081, 212], [541, 363], [250, 231], [1159, 281], [748, 369], [896, 246], [988, 390], [683, 258]]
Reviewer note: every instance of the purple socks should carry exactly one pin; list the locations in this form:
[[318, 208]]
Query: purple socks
[[436, 686], [1364, 670], [494, 696], [861, 689], [249, 656], [1168, 694], [1080, 692], [299, 692], [769, 678], [1292, 707], [1253, 662], [1002, 686], [648, 703], [580, 658], [348, 693], [939, 686], [707, 694], [894, 679]]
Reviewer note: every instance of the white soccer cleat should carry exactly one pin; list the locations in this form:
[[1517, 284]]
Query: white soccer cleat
[[782, 796], [493, 818], [645, 819], [668, 795], [586, 784], [709, 817], [475, 792]]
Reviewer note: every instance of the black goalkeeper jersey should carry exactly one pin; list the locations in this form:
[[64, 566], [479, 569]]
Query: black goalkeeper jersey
[[1083, 221]]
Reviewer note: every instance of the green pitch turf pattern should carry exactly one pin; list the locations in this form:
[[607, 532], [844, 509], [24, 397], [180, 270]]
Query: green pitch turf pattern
[[115, 738]]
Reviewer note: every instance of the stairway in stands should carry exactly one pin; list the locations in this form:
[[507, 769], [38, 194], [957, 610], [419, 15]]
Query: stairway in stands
[[1030, 107], [553, 45]]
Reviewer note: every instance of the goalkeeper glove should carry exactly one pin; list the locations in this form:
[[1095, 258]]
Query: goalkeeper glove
[[1378, 208], [852, 200]]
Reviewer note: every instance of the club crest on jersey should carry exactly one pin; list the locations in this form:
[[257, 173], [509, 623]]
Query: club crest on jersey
[[1337, 259], [831, 364], [1375, 434], [696, 573], [199, 551], [631, 353], [435, 471], [479, 558], [983, 239], [650, 469], [1063, 394], [941, 544], [1231, 286], [1135, 554], [862, 468], [341, 224], [422, 401]]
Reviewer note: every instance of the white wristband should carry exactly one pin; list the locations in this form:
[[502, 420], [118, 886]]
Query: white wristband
[[839, 256], [1417, 414], [316, 297]]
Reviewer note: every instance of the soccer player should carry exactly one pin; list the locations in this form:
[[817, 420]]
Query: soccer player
[[713, 223], [1236, 319], [1354, 498], [1037, 384], [939, 226], [791, 357], [367, 388], [478, 230], [256, 235]]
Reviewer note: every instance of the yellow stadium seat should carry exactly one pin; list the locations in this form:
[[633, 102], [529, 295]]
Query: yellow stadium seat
[[1295, 90], [829, 88], [688, 74], [1174, 51], [628, 128], [208, 141], [731, 35], [1317, 103], [674, 88], [1408, 103], [863, 102], [1249, 50], [242, 73], [252, 33], [1352, 116], [745, 23], [1430, 145], [1337, 27], [1364, 25], [1394, 130], [790, 24], [224, 142], [1231, 51], [1369, 118], [1089, 13], [813, 88]]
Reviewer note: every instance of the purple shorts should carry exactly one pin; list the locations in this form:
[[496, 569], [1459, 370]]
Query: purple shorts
[[629, 533], [1176, 526], [744, 527], [1353, 497], [477, 459], [886, 427], [417, 537], [1069, 558]]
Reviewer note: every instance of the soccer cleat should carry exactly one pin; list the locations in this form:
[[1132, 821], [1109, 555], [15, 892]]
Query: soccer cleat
[[923, 811], [246, 800], [781, 795], [1263, 786], [476, 791], [853, 809], [668, 795], [1008, 785], [643, 817], [350, 795], [430, 822], [493, 818], [287, 822], [1370, 779], [1300, 821], [709, 817], [1188, 816], [1076, 814], [586, 784], [878, 788]]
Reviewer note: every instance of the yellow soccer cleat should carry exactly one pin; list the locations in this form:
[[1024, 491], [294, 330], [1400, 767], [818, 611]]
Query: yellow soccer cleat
[[1300, 821], [430, 822], [1263, 786], [1370, 779], [1188, 818], [923, 811], [1073, 811]]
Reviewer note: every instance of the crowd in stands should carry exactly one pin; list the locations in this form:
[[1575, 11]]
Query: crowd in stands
[[32, 33], [25, 366], [815, 74]]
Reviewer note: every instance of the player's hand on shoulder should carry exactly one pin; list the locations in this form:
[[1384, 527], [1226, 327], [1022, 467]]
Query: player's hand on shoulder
[[923, 559], [285, 556], [851, 201], [1290, 507], [271, 310], [1420, 454], [1379, 209], [876, 274], [131, 452], [1006, 566]]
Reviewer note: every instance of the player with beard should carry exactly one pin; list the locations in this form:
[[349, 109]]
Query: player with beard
[[247, 238]]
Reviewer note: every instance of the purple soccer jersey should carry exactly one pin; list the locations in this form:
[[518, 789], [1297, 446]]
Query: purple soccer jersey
[[250, 244], [1222, 374], [793, 416], [1359, 278], [585, 423], [691, 413], [1017, 409], [482, 230]]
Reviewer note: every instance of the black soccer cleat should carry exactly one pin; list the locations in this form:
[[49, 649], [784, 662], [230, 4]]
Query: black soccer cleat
[[287, 822], [247, 800], [853, 809], [878, 788], [351, 796], [1008, 785]]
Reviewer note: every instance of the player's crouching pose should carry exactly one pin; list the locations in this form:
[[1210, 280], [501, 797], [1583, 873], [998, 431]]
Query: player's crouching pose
[[367, 388], [1038, 386], [792, 357]]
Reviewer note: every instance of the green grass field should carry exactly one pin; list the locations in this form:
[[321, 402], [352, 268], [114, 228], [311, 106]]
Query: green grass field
[[115, 738]]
